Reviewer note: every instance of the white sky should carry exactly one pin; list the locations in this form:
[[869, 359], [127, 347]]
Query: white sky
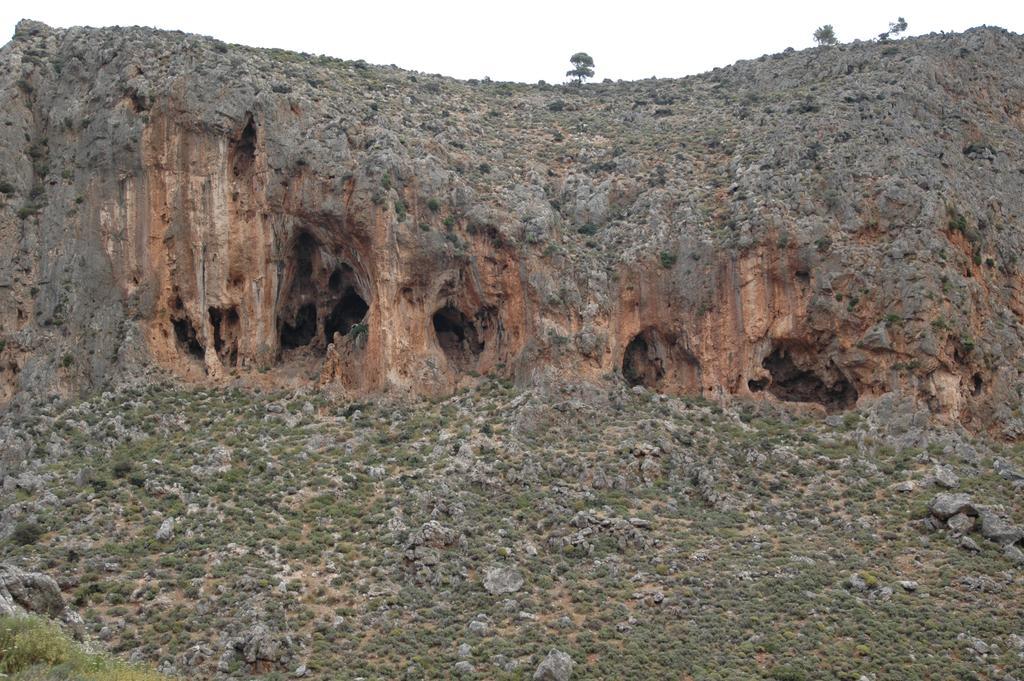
[[527, 40]]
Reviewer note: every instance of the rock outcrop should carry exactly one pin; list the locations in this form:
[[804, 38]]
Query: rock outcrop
[[33, 593], [819, 227]]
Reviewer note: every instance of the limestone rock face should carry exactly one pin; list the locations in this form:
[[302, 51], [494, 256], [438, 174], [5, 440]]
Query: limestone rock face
[[34, 593], [819, 227]]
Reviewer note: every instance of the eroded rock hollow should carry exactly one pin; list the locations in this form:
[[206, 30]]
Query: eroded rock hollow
[[819, 227]]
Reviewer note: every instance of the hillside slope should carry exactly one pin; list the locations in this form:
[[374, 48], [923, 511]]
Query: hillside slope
[[226, 534], [822, 227]]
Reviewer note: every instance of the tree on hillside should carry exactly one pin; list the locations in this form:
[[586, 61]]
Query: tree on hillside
[[583, 67], [895, 28], [825, 35]]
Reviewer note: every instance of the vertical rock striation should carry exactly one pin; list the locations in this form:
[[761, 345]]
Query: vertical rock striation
[[818, 227]]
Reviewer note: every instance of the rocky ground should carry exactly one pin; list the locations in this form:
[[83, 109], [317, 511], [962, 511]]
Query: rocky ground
[[230, 533]]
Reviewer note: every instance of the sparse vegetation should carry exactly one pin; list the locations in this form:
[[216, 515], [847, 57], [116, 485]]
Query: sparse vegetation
[[825, 35], [26, 532], [326, 496], [32, 649]]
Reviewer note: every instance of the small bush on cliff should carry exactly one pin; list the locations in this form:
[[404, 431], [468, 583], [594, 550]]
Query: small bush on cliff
[[895, 28], [825, 35]]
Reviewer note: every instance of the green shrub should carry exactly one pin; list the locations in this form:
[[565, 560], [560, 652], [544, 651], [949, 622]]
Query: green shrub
[[26, 532], [434, 205], [668, 259], [34, 649], [121, 468], [957, 221], [28, 210]]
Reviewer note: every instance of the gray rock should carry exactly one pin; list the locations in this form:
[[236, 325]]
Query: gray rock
[[464, 650], [166, 530], [961, 523], [34, 593], [979, 646], [83, 477], [1013, 554], [1006, 470], [557, 666], [464, 668], [502, 580], [996, 529], [908, 585], [857, 583], [945, 477], [946, 505], [969, 544]]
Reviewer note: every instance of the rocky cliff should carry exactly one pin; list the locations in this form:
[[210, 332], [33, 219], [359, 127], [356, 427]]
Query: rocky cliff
[[821, 227]]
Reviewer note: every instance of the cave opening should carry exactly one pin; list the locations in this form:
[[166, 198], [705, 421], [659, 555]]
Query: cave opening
[[225, 323], [642, 364], [301, 330], [185, 335], [791, 383], [350, 310], [244, 149], [977, 384], [458, 337], [661, 362], [305, 248]]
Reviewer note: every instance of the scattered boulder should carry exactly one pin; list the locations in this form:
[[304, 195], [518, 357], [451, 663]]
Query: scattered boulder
[[1006, 471], [257, 647], [557, 666], [946, 505], [961, 523], [945, 477], [502, 580], [996, 529], [1013, 554], [166, 531], [969, 544]]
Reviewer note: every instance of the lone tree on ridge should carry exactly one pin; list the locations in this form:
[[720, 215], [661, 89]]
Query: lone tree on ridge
[[583, 67]]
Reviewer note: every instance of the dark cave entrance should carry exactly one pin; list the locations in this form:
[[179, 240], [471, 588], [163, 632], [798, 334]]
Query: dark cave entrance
[[458, 337], [792, 383], [300, 330], [642, 364], [226, 324], [323, 297], [185, 335], [350, 310], [661, 362], [243, 151]]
